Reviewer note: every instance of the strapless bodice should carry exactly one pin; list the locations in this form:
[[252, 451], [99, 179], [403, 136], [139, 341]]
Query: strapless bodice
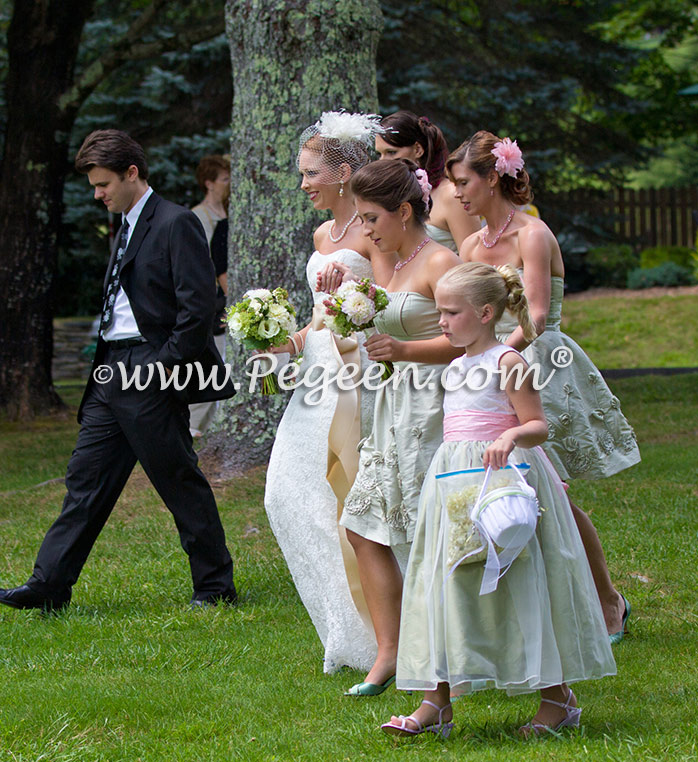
[[360, 266], [409, 317], [441, 236], [508, 323]]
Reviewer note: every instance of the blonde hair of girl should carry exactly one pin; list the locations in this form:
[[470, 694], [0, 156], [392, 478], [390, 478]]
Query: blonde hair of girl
[[501, 287]]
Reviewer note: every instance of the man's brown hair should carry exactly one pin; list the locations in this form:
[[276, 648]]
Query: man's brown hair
[[113, 150]]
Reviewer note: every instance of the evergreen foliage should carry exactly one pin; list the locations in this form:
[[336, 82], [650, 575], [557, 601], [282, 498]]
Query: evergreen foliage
[[574, 82], [591, 90]]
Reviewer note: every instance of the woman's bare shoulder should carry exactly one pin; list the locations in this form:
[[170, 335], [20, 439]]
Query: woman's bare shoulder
[[533, 228], [469, 245], [321, 233]]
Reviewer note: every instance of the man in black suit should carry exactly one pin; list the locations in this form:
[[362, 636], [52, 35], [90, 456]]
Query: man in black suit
[[158, 307]]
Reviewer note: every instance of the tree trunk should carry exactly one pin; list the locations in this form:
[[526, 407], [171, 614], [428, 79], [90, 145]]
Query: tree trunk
[[43, 99], [43, 40], [291, 61]]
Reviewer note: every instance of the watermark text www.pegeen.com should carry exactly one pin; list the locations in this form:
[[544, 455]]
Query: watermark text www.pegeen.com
[[318, 378]]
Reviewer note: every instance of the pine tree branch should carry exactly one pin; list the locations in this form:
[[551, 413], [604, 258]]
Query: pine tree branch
[[132, 47]]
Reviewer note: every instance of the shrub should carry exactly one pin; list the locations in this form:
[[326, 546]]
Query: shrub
[[574, 247], [667, 274], [609, 265], [658, 255]]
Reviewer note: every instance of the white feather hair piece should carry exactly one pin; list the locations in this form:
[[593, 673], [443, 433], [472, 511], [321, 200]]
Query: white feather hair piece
[[342, 138], [344, 127]]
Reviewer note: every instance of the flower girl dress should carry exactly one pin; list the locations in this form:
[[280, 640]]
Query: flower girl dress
[[543, 624]]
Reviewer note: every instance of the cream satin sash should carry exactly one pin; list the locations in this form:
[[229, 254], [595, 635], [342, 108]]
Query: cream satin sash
[[342, 452]]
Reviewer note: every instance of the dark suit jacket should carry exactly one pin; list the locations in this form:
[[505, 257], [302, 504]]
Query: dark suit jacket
[[169, 279]]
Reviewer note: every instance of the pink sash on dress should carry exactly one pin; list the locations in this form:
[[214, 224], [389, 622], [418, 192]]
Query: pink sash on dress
[[474, 425]]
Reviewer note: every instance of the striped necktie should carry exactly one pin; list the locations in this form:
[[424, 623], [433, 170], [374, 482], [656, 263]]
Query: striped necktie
[[113, 283]]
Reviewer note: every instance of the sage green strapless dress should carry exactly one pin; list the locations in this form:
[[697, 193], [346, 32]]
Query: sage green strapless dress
[[442, 237], [407, 430], [589, 437]]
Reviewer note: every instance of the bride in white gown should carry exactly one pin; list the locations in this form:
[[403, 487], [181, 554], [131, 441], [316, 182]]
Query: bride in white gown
[[314, 458]]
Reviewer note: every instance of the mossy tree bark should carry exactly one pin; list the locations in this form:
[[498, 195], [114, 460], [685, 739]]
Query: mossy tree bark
[[42, 42], [292, 60]]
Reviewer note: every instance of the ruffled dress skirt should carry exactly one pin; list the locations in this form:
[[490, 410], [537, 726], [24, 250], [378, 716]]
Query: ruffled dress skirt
[[590, 437]]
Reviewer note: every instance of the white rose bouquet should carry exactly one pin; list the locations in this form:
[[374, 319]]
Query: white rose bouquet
[[262, 319], [353, 307]]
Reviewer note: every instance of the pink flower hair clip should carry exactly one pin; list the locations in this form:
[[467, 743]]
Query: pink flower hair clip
[[424, 184], [509, 158]]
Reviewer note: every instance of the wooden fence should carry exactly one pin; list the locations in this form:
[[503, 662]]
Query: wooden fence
[[655, 217]]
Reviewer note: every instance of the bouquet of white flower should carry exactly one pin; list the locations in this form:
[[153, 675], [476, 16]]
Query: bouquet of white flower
[[353, 307], [262, 319]]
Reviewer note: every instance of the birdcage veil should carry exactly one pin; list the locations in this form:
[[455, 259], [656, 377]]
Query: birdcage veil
[[339, 138]]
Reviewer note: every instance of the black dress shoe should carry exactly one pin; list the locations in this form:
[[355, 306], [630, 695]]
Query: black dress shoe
[[24, 597], [202, 600]]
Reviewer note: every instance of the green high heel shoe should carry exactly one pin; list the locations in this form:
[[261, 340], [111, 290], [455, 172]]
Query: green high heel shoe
[[618, 636], [369, 689]]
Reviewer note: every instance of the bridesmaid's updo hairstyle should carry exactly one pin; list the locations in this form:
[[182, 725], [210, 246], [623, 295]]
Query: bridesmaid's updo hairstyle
[[403, 128], [389, 184], [501, 287], [476, 152]]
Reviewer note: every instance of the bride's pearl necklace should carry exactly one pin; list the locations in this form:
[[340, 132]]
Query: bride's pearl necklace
[[489, 244], [344, 229], [401, 264]]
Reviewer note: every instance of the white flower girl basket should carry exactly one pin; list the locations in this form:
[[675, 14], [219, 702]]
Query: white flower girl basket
[[499, 525], [506, 518]]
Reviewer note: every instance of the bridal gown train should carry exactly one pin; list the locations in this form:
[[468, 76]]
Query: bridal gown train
[[301, 504]]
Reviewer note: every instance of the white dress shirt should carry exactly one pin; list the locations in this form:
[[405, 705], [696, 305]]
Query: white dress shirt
[[124, 325]]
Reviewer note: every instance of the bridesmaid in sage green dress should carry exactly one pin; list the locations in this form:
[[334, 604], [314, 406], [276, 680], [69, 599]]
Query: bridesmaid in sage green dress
[[392, 198], [589, 436]]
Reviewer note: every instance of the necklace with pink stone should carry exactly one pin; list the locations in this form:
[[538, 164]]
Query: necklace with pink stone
[[403, 262], [489, 244]]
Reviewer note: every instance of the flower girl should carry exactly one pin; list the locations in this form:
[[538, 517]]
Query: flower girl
[[541, 627]]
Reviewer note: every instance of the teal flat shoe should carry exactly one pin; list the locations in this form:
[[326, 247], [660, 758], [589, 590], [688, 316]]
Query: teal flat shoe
[[369, 689], [618, 636]]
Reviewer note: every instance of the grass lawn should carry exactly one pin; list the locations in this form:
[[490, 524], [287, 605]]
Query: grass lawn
[[639, 332], [130, 674]]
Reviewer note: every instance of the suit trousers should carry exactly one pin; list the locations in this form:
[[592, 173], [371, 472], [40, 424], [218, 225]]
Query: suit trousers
[[119, 427]]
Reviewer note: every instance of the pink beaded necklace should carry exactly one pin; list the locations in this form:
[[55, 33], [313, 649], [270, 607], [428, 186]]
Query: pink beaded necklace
[[500, 232], [403, 262]]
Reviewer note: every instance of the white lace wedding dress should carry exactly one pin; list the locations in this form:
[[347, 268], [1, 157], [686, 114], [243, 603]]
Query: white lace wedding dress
[[301, 505]]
